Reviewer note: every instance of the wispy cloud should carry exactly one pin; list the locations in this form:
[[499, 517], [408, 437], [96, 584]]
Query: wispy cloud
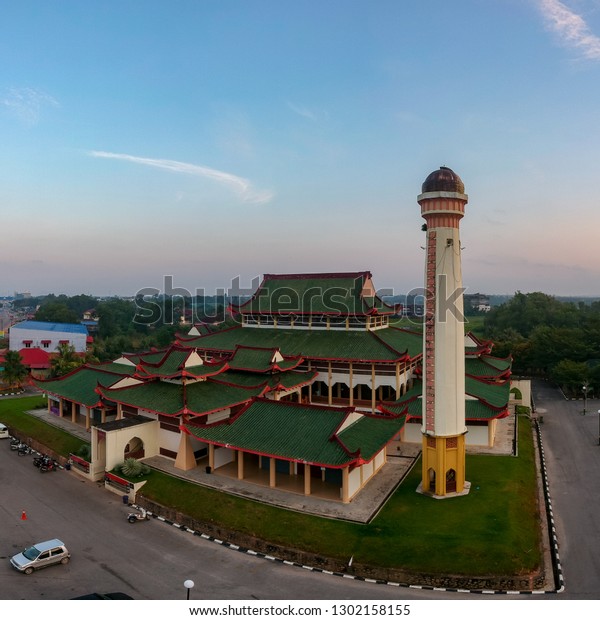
[[26, 103], [243, 187], [571, 28], [302, 111]]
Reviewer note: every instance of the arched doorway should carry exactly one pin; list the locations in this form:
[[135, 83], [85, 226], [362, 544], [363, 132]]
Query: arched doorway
[[134, 449], [431, 475], [451, 481]]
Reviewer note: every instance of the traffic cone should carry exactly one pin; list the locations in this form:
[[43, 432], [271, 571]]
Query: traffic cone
[[23, 516]]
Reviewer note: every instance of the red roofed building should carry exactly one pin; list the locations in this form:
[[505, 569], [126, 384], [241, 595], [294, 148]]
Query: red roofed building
[[35, 359]]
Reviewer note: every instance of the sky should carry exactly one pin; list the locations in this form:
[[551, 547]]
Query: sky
[[193, 144]]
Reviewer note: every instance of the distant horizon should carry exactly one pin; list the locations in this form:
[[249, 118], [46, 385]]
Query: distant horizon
[[12, 297]]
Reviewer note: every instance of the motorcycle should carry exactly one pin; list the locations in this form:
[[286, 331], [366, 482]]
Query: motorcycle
[[50, 465], [23, 449], [134, 517], [42, 459], [15, 443]]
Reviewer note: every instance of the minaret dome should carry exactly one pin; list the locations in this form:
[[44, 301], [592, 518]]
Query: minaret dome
[[443, 180]]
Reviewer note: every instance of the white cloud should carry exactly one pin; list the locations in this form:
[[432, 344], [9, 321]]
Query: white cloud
[[27, 103], [241, 186], [302, 111], [571, 28]]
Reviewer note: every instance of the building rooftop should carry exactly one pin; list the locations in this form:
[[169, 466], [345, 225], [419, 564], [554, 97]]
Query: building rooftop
[[71, 328]]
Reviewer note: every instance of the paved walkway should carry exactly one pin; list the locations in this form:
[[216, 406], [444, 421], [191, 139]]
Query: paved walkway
[[361, 509]]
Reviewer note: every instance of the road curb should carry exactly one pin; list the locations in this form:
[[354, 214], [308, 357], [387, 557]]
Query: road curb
[[556, 564]]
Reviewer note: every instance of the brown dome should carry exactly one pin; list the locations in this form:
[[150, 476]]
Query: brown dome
[[443, 180]]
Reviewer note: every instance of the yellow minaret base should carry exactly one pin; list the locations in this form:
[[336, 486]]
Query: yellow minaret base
[[444, 466]]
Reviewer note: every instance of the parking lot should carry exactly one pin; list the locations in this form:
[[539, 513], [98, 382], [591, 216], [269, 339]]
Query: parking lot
[[146, 560]]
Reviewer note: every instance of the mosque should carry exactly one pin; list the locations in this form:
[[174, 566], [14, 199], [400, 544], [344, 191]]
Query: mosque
[[313, 387]]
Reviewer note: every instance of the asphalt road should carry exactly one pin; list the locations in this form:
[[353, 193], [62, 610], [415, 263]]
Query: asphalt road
[[573, 463], [147, 560]]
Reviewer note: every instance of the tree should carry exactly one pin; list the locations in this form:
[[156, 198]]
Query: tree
[[570, 376], [14, 372], [66, 360], [56, 312]]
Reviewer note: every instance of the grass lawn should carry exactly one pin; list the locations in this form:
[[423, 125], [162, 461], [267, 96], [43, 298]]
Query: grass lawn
[[492, 531], [11, 414]]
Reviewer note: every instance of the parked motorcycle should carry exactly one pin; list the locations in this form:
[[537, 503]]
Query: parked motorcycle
[[15, 443], [40, 460], [50, 465], [23, 449], [134, 517]]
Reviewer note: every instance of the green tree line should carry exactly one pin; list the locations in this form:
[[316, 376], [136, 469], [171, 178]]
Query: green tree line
[[549, 338]]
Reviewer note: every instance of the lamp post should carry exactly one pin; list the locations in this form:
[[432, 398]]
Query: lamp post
[[189, 584]]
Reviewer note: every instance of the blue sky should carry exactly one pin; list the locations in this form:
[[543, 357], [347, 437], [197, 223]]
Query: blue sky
[[211, 140]]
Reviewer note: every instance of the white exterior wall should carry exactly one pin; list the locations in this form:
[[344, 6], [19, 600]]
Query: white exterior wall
[[524, 386], [17, 337], [353, 482], [413, 433], [367, 471], [117, 440], [478, 436], [364, 379], [449, 337], [168, 440], [223, 456]]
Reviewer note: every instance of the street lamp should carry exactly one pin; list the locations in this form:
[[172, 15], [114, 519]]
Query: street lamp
[[189, 584]]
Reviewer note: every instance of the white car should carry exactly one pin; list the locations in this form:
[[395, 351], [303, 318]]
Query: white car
[[41, 555], [3, 431]]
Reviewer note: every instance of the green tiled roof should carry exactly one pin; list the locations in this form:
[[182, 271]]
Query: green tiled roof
[[119, 369], [257, 359], [370, 433], [486, 366], [79, 386], [301, 433], [496, 394], [490, 399], [287, 380], [501, 364], [171, 364], [200, 397], [360, 345], [401, 340], [335, 294]]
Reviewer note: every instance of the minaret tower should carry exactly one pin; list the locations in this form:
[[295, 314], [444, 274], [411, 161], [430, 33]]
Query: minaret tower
[[443, 201]]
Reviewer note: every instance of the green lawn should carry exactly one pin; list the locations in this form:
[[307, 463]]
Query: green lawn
[[492, 531], [11, 414]]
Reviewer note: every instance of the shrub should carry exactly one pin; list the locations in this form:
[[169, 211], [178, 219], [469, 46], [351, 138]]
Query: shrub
[[131, 467]]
